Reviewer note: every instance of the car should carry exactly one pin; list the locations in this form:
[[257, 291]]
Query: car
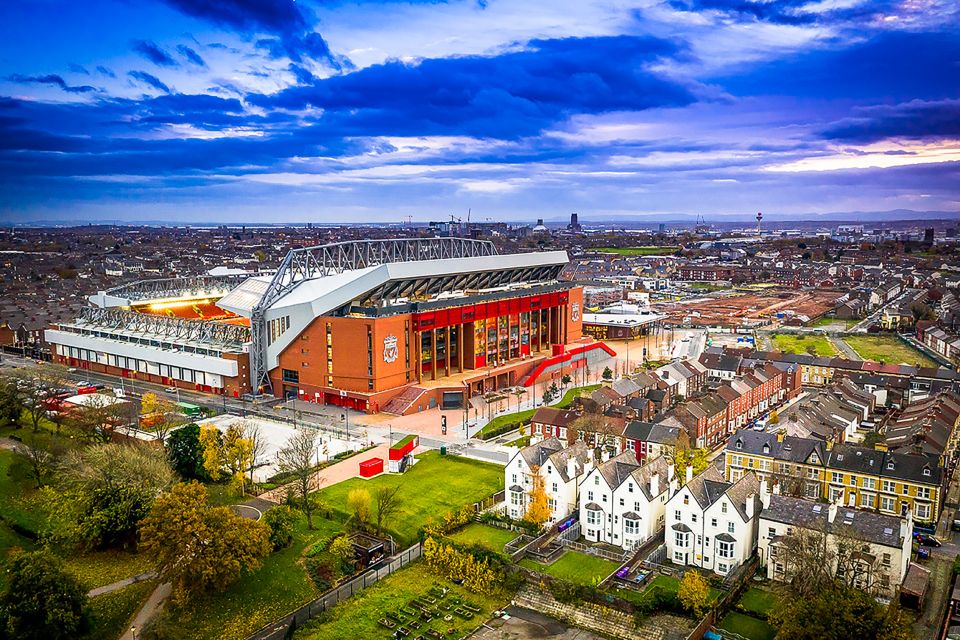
[[171, 389], [928, 540]]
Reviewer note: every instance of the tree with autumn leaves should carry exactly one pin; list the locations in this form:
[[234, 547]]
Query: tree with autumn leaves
[[538, 508], [198, 547], [477, 574], [228, 453]]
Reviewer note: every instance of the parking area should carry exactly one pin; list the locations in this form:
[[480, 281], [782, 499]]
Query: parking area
[[526, 624]]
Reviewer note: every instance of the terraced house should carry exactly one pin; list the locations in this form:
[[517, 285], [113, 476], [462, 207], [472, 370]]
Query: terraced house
[[855, 476]]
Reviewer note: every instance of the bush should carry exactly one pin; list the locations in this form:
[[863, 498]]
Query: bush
[[280, 519]]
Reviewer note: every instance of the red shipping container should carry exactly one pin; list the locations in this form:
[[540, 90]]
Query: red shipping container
[[371, 467]]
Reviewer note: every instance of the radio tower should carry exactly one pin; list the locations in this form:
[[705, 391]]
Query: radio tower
[[759, 218]]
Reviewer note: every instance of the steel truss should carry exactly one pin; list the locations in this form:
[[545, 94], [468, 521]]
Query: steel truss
[[308, 263], [214, 334], [188, 286]]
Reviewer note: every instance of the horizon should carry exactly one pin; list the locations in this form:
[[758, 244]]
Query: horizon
[[377, 110]]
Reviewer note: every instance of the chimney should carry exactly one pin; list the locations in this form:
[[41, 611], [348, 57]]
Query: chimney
[[764, 494], [751, 505], [832, 512], [654, 484], [604, 454], [571, 467], [671, 470], [689, 472], [881, 446], [781, 434]]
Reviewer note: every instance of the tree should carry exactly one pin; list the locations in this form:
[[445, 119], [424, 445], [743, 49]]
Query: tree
[[186, 453], [237, 455], [104, 491], [10, 405], [198, 547], [96, 419], [41, 460], [387, 505], [211, 441], [297, 458], [607, 374], [538, 509], [872, 438], [838, 612], [37, 388], [693, 592], [686, 457], [258, 447], [921, 311], [358, 504], [566, 379], [342, 550], [160, 415], [774, 417], [280, 519], [42, 600]]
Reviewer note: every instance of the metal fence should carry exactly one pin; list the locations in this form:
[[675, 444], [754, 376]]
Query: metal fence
[[284, 627]]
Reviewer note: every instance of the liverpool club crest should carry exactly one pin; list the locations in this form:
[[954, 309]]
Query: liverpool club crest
[[390, 350], [575, 311]]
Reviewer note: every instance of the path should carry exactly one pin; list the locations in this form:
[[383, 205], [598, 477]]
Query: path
[[344, 470], [120, 584], [846, 349], [8, 443], [150, 608]]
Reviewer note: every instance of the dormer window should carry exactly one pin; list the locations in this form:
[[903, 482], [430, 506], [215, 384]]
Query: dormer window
[[739, 444], [926, 471], [890, 465], [766, 448]]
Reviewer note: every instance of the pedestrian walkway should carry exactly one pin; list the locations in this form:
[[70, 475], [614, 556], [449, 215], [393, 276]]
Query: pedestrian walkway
[[344, 470], [120, 584], [151, 607]]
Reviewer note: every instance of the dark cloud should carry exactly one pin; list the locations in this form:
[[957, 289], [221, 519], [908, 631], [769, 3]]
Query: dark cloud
[[914, 119], [149, 79], [51, 79], [191, 55], [152, 52], [78, 68], [506, 96], [302, 75], [791, 12], [102, 70]]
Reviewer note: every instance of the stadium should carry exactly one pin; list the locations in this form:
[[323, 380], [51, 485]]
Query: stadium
[[382, 325]]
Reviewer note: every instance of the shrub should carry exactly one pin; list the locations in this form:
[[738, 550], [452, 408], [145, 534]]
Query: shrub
[[280, 519]]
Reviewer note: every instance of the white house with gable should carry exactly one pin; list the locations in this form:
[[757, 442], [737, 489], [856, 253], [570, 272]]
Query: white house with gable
[[623, 503], [711, 523], [561, 467]]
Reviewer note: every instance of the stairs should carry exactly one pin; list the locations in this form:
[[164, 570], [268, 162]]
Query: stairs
[[402, 402]]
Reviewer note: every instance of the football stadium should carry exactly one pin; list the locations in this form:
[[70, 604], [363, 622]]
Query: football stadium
[[380, 325]]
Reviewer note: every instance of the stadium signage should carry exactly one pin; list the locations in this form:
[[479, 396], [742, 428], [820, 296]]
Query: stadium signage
[[390, 350]]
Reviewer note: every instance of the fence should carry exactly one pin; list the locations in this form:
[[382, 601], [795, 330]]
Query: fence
[[490, 502], [284, 627]]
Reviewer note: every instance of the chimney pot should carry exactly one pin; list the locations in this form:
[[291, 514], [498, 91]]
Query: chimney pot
[[689, 472]]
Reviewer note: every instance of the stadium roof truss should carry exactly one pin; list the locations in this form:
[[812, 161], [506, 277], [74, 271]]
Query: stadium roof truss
[[316, 262], [160, 328], [188, 286]]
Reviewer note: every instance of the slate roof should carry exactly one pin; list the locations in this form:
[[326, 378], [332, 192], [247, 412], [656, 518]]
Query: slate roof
[[868, 526]]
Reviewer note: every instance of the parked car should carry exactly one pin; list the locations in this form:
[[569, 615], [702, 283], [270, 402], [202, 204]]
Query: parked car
[[928, 540]]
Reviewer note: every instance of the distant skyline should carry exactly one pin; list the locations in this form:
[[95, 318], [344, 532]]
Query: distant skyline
[[282, 111]]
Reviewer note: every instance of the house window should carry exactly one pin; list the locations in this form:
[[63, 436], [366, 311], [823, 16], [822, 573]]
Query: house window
[[693, 517], [593, 517], [554, 487], [589, 495], [676, 514], [515, 498], [853, 481], [923, 493], [680, 539], [921, 510], [631, 527], [866, 500], [888, 504], [771, 532], [513, 478], [686, 499], [621, 502], [724, 549], [721, 568], [886, 560], [723, 507], [713, 522], [729, 527]]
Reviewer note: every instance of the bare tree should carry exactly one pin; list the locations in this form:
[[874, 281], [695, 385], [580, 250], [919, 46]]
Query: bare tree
[[258, 446], [96, 419], [37, 388], [387, 505], [297, 458], [40, 459]]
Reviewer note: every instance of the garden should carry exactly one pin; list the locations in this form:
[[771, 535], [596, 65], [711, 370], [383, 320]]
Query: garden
[[804, 343], [412, 601], [483, 536], [749, 617], [575, 567], [887, 349]]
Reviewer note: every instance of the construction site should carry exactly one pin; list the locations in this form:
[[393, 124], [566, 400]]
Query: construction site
[[771, 308]]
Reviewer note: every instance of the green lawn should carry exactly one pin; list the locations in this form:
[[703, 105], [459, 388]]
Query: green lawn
[[747, 626], [100, 568], [801, 343], [576, 567], [887, 349], [491, 538], [640, 251], [756, 600], [516, 418], [665, 584], [111, 613], [827, 322], [18, 497], [432, 487], [522, 441], [279, 587], [358, 616]]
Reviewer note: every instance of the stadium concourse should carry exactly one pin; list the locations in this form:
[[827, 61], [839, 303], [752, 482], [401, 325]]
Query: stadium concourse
[[398, 326]]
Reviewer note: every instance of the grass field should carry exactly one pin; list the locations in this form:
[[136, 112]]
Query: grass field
[[482, 535], [18, 504], [432, 487], [827, 322], [358, 616], [112, 612], [800, 343], [280, 586], [516, 418], [576, 567], [756, 600], [640, 251], [747, 626], [100, 568], [887, 349]]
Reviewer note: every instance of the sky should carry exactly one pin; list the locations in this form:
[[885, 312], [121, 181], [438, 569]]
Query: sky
[[379, 110]]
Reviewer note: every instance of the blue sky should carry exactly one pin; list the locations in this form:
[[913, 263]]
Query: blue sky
[[330, 111]]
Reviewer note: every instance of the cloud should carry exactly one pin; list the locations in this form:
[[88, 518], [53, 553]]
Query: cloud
[[191, 55], [78, 68], [152, 52], [51, 79], [914, 119], [506, 96], [105, 71], [302, 75], [149, 79]]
